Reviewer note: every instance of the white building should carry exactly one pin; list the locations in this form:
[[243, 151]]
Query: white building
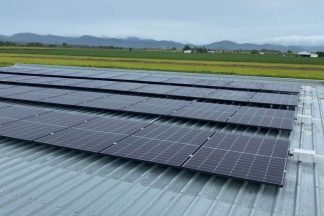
[[187, 51], [308, 54]]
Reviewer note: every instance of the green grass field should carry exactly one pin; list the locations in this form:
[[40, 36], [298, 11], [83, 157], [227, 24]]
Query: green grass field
[[239, 64]]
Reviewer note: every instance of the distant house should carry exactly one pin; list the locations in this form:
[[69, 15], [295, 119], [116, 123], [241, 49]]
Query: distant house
[[187, 51], [314, 55], [211, 51], [307, 54]]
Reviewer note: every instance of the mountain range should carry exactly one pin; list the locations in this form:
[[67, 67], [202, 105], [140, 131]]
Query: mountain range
[[135, 42]]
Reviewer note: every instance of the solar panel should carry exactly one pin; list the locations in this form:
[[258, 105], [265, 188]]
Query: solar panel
[[4, 120], [282, 87], [244, 157], [243, 96], [89, 95], [30, 96], [206, 111], [192, 92], [261, 117], [213, 82], [60, 119], [21, 112], [27, 130], [168, 145], [95, 84], [181, 80], [81, 139], [157, 79], [276, 99], [4, 86], [124, 86], [114, 102], [157, 106], [111, 125], [156, 89], [64, 100], [245, 85], [131, 76]]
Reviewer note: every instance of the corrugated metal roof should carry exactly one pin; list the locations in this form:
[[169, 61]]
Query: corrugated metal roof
[[44, 180]]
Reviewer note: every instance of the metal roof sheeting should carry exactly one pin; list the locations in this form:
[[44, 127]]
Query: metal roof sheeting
[[44, 180]]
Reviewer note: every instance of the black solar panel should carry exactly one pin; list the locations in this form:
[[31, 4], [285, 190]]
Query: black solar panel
[[282, 87], [27, 130], [181, 80], [81, 139], [245, 85], [65, 100], [60, 118], [261, 117], [156, 89], [21, 112], [157, 79], [192, 92], [95, 84], [230, 95], [120, 126], [244, 157], [4, 120], [124, 86], [114, 102], [276, 99], [206, 111], [157, 106], [213, 82], [160, 144], [30, 96]]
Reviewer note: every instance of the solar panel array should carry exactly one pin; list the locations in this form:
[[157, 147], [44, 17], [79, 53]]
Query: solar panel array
[[150, 78], [158, 90], [240, 156], [254, 158], [201, 111]]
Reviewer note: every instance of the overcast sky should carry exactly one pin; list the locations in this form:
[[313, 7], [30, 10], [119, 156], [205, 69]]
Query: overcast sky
[[278, 21]]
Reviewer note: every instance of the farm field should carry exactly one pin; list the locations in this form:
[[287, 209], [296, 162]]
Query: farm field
[[270, 65]]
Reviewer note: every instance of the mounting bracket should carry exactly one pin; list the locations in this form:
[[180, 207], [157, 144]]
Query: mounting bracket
[[305, 155]]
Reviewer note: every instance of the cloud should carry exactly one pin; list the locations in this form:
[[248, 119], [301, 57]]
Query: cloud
[[313, 40]]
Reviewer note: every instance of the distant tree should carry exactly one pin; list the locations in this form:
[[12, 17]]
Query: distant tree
[[64, 44], [320, 54], [130, 49], [254, 52], [289, 52], [173, 48], [200, 49], [187, 47]]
